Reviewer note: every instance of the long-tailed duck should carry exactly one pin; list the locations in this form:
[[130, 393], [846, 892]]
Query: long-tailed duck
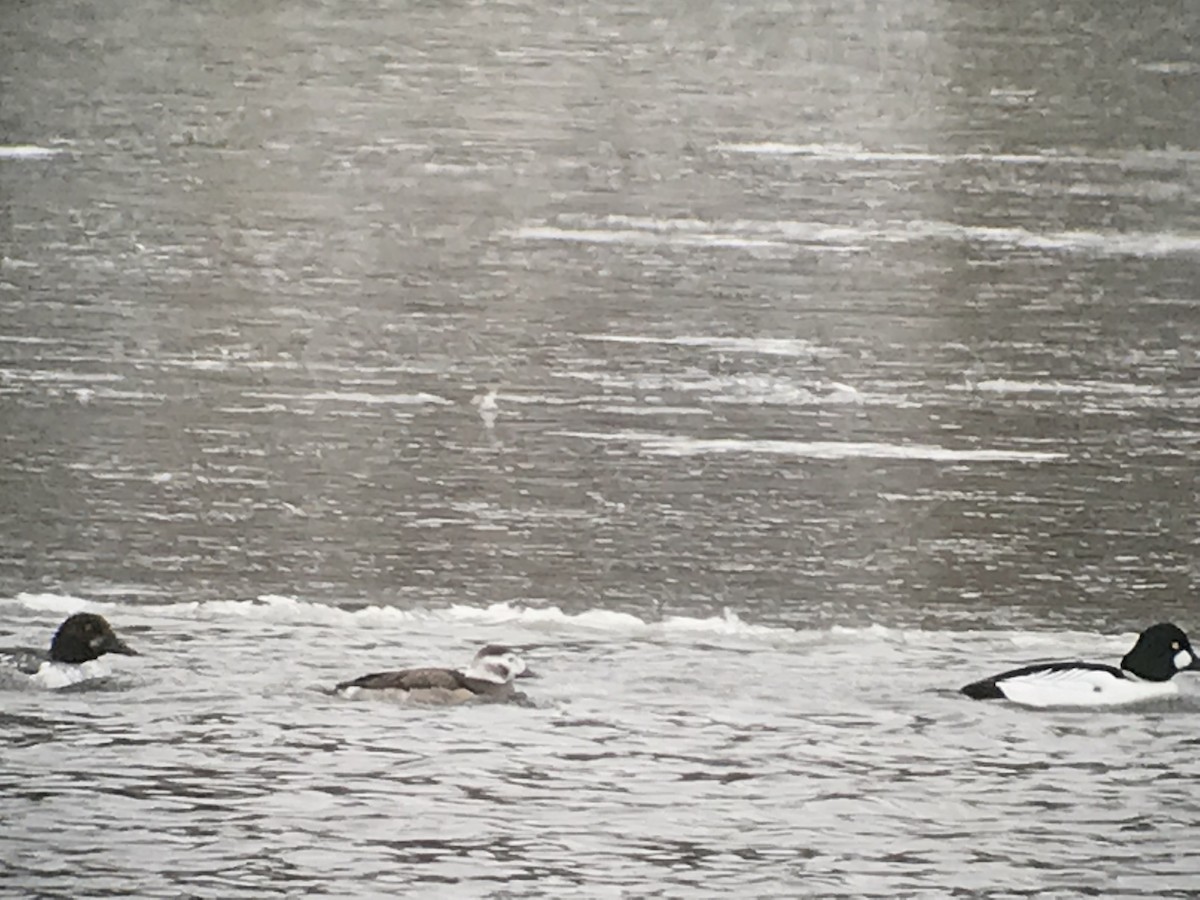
[[489, 677]]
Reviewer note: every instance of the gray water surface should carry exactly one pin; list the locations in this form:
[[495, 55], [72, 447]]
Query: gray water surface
[[766, 370]]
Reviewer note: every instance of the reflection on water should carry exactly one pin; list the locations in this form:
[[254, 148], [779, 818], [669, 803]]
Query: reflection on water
[[785, 317]]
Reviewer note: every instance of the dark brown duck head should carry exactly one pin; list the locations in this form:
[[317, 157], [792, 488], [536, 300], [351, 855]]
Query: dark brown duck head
[[84, 637]]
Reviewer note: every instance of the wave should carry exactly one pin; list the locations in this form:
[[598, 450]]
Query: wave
[[281, 608], [549, 621]]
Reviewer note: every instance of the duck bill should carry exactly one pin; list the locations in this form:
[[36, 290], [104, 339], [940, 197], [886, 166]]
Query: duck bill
[[110, 643], [529, 673]]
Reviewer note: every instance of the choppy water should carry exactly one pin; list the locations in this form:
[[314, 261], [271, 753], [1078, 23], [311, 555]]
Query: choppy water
[[840, 353], [691, 756]]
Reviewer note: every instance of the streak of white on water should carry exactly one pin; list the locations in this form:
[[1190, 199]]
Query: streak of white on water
[[684, 445], [626, 410], [771, 346], [755, 390], [752, 234], [1132, 159], [59, 376], [27, 151], [352, 397], [1014, 386], [631, 236], [1170, 67], [30, 339], [257, 410]]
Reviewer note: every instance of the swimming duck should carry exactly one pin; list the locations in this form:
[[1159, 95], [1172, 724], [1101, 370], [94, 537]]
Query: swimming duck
[[79, 641], [1146, 671], [489, 677]]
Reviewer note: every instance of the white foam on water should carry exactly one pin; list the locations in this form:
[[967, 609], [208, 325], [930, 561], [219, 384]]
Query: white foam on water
[[550, 620], [291, 609], [283, 608], [66, 604]]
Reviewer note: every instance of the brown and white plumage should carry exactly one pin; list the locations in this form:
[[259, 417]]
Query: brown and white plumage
[[489, 677]]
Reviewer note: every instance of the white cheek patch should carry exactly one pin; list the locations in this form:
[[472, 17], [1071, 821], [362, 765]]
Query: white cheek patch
[[1183, 659]]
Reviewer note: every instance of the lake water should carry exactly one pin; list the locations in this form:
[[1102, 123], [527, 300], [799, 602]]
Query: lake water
[[766, 370]]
